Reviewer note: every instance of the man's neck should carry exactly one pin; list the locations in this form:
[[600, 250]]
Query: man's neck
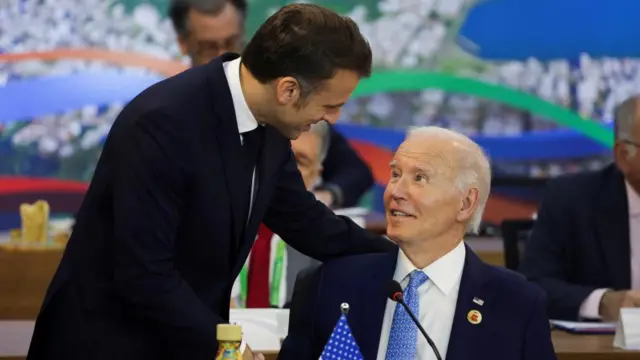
[[425, 253], [254, 94]]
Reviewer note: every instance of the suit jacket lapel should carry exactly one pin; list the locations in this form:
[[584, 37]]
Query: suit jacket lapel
[[228, 139], [613, 228], [267, 167], [464, 340], [373, 300]]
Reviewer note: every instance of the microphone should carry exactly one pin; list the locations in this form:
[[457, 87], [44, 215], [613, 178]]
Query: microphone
[[394, 292]]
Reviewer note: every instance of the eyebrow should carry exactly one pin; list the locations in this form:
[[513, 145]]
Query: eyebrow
[[394, 164], [335, 105]]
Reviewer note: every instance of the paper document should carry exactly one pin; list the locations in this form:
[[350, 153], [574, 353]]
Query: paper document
[[350, 212], [585, 327]]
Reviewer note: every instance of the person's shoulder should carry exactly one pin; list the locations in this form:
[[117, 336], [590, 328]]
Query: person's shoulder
[[177, 93], [169, 106], [519, 288], [580, 182]]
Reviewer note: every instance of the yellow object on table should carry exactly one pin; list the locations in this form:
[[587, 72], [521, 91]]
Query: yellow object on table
[[229, 339], [35, 222], [34, 234]]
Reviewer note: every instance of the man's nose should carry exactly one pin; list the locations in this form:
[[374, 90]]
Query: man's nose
[[332, 117], [399, 189]]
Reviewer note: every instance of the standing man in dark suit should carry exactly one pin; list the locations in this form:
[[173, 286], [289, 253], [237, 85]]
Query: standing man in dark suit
[[209, 28], [584, 250], [189, 170], [439, 186]]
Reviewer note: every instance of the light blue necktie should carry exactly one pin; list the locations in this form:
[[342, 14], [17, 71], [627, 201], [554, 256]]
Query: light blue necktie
[[404, 333]]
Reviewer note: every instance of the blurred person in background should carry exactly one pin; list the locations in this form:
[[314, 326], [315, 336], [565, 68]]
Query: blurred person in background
[[584, 250], [267, 278], [208, 28]]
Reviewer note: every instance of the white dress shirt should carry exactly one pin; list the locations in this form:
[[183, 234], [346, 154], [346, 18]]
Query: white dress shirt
[[245, 119], [438, 297], [244, 116], [590, 308]]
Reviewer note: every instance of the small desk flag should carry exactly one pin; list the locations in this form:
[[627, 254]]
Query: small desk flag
[[341, 345]]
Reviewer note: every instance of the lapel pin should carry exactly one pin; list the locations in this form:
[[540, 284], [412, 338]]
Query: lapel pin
[[478, 301], [474, 317]]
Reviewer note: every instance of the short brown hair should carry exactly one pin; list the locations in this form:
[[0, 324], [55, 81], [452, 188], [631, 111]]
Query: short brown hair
[[307, 42]]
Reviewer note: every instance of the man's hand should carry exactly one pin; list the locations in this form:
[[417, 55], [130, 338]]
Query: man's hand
[[250, 355], [324, 196], [612, 301]]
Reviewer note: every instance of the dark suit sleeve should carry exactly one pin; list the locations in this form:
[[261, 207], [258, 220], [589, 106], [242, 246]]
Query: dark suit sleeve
[[537, 340], [310, 227], [546, 258], [299, 343], [344, 173], [149, 189]]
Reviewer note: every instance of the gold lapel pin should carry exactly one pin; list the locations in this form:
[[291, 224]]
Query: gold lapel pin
[[474, 317]]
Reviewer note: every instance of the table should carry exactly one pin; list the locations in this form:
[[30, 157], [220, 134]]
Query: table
[[24, 279], [589, 347], [16, 335]]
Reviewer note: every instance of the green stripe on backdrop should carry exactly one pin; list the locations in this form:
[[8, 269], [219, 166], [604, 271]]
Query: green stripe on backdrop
[[413, 80]]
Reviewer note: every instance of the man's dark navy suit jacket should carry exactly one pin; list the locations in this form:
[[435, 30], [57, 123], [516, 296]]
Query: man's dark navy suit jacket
[[514, 324], [580, 240], [159, 238]]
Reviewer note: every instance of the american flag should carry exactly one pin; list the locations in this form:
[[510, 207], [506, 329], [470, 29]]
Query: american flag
[[341, 345]]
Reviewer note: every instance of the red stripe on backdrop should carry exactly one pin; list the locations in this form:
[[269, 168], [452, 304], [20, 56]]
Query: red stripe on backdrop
[[13, 185], [378, 159]]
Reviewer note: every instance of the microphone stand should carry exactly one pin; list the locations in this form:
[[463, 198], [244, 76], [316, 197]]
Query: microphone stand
[[415, 320]]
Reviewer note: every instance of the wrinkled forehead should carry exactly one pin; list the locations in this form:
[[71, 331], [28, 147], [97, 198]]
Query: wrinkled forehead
[[433, 156]]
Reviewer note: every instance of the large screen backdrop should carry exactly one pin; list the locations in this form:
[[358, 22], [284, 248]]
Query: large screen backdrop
[[534, 82]]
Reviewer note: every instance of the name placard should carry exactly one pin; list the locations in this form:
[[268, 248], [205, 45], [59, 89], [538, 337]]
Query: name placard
[[628, 329]]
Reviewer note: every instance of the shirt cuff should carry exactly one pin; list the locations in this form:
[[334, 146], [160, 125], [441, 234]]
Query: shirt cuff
[[590, 308], [243, 346]]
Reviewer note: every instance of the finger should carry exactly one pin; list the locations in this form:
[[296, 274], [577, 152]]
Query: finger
[[259, 357]]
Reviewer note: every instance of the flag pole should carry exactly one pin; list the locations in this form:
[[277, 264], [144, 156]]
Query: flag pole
[[344, 308]]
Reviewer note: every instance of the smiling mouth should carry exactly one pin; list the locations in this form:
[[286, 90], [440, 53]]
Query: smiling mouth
[[400, 214]]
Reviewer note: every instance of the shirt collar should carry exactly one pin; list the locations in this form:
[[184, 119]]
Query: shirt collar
[[444, 272], [244, 116], [633, 200]]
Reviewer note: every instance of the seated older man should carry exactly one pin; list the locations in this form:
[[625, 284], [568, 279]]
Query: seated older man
[[439, 186], [267, 278]]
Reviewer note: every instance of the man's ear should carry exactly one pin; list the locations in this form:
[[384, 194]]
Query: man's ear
[[287, 90], [468, 205], [622, 156], [182, 42]]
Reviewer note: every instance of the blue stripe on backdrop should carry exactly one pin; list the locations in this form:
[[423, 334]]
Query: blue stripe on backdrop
[[559, 144], [552, 29], [30, 98], [50, 95]]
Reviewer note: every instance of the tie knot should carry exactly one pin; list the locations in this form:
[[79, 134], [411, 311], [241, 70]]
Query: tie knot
[[417, 278]]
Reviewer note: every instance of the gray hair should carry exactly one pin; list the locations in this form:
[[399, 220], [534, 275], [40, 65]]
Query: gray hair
[[625, 121], [321, 129], [474, 166]]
